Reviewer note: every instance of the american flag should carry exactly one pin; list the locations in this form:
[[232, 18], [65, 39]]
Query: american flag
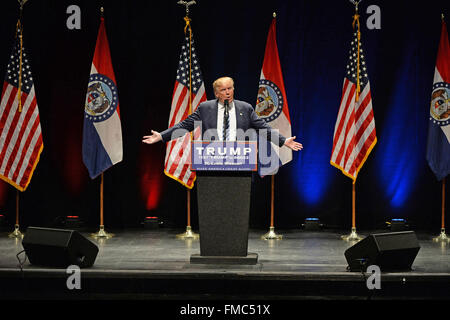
[[354, 132], [178, 152], [20, 136]]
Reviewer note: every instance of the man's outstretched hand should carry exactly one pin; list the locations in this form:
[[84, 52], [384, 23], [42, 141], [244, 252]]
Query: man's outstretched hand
[[155, 137], [292, 144]]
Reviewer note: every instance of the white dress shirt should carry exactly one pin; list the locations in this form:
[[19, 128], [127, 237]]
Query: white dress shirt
[[232, 119]]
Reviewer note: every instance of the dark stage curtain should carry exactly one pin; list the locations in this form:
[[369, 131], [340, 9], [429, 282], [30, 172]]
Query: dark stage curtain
[[313, 43]]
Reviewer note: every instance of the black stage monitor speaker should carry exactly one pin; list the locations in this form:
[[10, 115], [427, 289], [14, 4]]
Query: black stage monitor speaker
[[58, 248], [394, 251]]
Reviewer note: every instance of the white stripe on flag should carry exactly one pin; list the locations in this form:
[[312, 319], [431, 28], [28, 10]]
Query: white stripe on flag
[[5, 99], [176, 96], [29, 154], [350, 100], [110, 133], [8, 123], [27, 132]]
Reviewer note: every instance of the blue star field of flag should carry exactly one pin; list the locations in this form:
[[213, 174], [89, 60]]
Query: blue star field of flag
[[12, 74], [183, 67], [353, 63]]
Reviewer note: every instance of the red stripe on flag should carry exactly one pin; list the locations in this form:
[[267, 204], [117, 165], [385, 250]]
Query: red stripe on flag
[[34, 157], [349, 145], [10, 133], [179, 105], [370, 139], [20, 133], [176, 163], [364, 125], [26, 147], [169, 148], [347, 124], [9, 103], [357, 136], [5, 85], [347, 102]]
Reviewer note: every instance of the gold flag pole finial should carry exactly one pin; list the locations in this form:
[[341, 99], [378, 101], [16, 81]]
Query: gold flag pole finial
[[356, 20], [22, 3], [355, 3], [187, 4], [19, 26]]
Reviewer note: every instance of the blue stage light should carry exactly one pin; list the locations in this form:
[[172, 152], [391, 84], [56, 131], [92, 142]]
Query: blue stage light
[[399, 151], [312, 170]]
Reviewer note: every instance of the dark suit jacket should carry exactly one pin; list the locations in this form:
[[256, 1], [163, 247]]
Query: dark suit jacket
[[206, 116]]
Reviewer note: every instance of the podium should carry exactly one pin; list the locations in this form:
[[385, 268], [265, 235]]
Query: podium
[[224, 180]]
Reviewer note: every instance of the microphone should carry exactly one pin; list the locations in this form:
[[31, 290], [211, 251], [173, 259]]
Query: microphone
[[226, 106]]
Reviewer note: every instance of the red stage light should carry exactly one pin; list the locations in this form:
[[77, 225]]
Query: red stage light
[[151, 178]]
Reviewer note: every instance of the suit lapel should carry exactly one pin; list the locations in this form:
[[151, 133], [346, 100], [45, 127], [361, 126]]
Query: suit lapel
[[215, 111], [240, 121], [210, 123]]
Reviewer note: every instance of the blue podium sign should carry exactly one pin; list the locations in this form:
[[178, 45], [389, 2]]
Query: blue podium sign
[[224, 155]]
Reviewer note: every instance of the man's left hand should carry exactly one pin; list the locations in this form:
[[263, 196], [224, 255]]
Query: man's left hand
[[292, 144]]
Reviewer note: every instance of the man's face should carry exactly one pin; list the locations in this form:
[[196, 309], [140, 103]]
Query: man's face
[[225, 91]]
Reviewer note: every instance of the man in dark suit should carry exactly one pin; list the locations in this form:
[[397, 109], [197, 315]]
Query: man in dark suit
[[212, 115]]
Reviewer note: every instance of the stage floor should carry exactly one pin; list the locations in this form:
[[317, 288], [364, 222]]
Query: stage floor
[[154, 264]]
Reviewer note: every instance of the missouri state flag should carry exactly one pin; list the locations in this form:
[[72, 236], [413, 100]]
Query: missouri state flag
[[438, 144], [272, 106], [102, 131]]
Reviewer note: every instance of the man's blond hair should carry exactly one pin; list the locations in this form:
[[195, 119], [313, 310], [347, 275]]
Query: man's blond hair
[[219, 81]]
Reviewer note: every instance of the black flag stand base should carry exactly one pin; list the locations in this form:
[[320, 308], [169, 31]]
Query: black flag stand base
[[16, 233], [442, 237]]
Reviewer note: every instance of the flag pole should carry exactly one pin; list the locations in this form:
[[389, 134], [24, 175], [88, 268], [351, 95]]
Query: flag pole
[[443, 236], [353, 236], [16, 233], [271, 235], [102, 234], [188, 234]]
